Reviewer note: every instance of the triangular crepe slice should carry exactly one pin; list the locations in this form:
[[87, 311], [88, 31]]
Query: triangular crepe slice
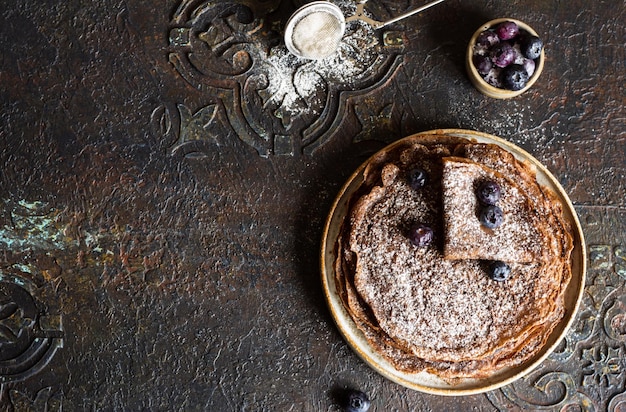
[[521, 236]]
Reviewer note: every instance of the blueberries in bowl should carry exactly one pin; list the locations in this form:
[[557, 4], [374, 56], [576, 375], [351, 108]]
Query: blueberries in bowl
[[506, 55]]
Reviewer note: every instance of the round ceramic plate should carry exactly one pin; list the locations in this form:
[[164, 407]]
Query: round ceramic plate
[[425, 381]]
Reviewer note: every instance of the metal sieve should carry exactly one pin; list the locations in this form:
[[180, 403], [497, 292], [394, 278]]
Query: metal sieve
[[315, 30]]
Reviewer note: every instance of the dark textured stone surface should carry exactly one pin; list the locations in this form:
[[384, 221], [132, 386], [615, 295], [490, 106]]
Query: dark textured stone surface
[[171, 244]]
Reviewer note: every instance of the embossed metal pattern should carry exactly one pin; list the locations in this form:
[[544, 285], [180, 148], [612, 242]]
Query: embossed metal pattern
[[162, 201], [588, 370], [277, 103]]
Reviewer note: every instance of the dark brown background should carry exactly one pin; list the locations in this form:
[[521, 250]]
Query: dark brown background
[[174, 260]]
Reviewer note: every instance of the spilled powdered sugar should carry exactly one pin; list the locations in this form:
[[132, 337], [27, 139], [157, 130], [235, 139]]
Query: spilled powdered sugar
[[291, 80]]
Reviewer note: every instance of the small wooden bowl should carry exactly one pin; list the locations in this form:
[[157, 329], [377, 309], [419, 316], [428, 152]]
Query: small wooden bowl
[[477, 80]]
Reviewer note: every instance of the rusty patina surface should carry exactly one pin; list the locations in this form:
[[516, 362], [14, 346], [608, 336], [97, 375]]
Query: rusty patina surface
[[161, 204]]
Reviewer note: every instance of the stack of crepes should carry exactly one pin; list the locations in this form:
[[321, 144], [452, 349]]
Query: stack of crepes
[[435, 308]]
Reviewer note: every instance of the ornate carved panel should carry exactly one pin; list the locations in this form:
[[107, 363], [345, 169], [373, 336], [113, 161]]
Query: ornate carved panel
[[588, 371], [275, 102]]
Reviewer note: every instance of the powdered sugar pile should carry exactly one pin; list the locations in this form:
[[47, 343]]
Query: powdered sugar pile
[[299, 85]]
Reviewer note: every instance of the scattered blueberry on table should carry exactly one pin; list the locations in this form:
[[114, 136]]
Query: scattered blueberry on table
[[356, 401]]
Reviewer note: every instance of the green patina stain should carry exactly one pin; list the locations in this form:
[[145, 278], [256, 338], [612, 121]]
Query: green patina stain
[[32, 226]]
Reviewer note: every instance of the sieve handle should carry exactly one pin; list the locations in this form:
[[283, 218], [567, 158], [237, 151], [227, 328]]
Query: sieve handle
[[360, 14]]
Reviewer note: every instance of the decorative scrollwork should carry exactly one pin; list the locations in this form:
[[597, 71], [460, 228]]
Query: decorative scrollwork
[[28, 337], [553, 391], [618, 403], [45, 400], [602, 366], [275, 102], [615, 319], [620, 261], [587, 371]]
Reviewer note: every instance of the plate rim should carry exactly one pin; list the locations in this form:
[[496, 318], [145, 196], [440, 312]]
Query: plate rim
[[524, 369]]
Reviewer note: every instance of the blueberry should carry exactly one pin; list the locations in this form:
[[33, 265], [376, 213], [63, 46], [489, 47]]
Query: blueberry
[[503, 55], [483, 64], [491, 216], [519, 57], [499, 271], [356, 401], [487, 38], [507, 30], [493, 77], [515, 77], [529, 66], [420, 235], [531, 47], [488, 192], [417, 178]]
